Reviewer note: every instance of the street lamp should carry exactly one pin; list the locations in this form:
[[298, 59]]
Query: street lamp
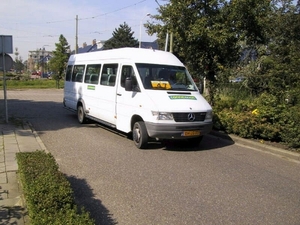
[[141, 23]]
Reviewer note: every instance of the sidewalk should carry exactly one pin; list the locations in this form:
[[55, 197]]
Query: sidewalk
[[14, 139]]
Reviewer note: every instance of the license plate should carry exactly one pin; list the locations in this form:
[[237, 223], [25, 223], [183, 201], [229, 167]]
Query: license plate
[[191, 133]]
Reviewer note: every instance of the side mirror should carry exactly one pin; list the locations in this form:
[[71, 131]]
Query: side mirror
[[128, 84], [201, 86]]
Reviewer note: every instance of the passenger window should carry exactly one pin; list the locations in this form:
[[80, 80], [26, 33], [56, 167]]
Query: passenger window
[[77, 74], [69, 73], [78, 77], [108, 75], [92, 74]]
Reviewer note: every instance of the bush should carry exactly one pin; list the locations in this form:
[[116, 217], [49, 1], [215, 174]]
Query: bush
[[266, 117], [290, 122], [48, 193]]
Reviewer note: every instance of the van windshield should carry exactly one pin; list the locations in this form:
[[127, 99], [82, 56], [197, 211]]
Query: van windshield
[[165, 77]]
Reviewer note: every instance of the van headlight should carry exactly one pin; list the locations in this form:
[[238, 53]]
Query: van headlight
[[209, 115], [163, 115]]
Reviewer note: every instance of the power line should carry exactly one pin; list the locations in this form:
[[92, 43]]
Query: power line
[[104, 14], [117, 10], [59, 21]]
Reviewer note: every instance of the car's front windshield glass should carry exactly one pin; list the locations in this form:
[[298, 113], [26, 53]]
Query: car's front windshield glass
[[165, 77]]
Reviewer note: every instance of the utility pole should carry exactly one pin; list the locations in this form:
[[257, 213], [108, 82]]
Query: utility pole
[[167, 40], [171, 43], [76, 37]]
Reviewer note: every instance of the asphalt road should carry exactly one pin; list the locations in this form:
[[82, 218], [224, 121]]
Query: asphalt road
[[217, 183]]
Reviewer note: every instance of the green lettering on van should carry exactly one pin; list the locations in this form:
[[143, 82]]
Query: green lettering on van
[[91, 87], [175, 97]]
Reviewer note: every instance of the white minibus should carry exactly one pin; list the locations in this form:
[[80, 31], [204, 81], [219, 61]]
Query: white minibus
[[144, 92]]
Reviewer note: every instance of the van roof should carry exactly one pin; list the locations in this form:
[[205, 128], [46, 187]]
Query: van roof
[[135, 55]]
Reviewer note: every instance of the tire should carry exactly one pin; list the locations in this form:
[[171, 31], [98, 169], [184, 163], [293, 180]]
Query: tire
[[194, 142], [81, 114], [140, 135]]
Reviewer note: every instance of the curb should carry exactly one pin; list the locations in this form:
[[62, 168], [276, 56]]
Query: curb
[[37, 137], [248, 143]]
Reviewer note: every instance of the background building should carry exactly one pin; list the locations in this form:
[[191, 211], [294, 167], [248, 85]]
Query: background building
[[38, 60]]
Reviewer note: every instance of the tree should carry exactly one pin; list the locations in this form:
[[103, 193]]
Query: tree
[[208, 33], [122, 37], [275, 69], [60, 57], [280, 63], [19, 65], [249, 19], [203, 37]]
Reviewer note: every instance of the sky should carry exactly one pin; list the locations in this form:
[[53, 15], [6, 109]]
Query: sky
[[36, 24]]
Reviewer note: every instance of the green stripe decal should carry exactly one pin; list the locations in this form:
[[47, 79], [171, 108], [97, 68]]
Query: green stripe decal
[[175, 97], [91, 87]]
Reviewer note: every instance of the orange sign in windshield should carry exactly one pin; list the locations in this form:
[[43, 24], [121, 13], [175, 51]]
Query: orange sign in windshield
[[160, 84]]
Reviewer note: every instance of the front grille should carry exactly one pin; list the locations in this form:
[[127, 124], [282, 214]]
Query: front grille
[[184, 117]]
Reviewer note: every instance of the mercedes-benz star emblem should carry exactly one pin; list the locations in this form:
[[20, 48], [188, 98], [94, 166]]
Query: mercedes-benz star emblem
[[191, 117]]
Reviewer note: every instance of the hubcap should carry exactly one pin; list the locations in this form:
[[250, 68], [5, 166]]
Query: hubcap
[[80, 114], [136, 135]]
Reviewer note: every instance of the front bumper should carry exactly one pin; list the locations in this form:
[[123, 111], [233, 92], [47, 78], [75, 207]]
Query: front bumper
[[175, 130]]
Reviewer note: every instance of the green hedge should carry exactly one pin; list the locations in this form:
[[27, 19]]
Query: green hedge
[[48, 194], [264, 117]]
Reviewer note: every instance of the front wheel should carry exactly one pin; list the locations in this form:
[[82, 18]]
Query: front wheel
[[140, 135], [81, 114]]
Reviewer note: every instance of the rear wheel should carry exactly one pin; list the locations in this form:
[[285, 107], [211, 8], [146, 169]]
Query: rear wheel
[[81, 114], [140, 135]]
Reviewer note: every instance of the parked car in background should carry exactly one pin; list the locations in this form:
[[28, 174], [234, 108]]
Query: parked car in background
[[34, 73], [237, 80]]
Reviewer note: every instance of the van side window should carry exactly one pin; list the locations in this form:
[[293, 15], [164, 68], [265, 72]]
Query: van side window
[[77, 74], [69, 73], [92, 74], [127, 71], [108, 75]]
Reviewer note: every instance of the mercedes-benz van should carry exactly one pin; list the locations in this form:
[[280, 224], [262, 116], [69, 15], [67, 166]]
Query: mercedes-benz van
[[146, 92]]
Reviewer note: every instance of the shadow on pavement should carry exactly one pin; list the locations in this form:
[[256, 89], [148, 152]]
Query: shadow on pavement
[[214, 140], [84, 197], [211, 141], [23, 109], [11, 215]]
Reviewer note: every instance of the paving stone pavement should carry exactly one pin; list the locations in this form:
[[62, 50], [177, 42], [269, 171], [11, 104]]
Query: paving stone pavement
[[14, 138]]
